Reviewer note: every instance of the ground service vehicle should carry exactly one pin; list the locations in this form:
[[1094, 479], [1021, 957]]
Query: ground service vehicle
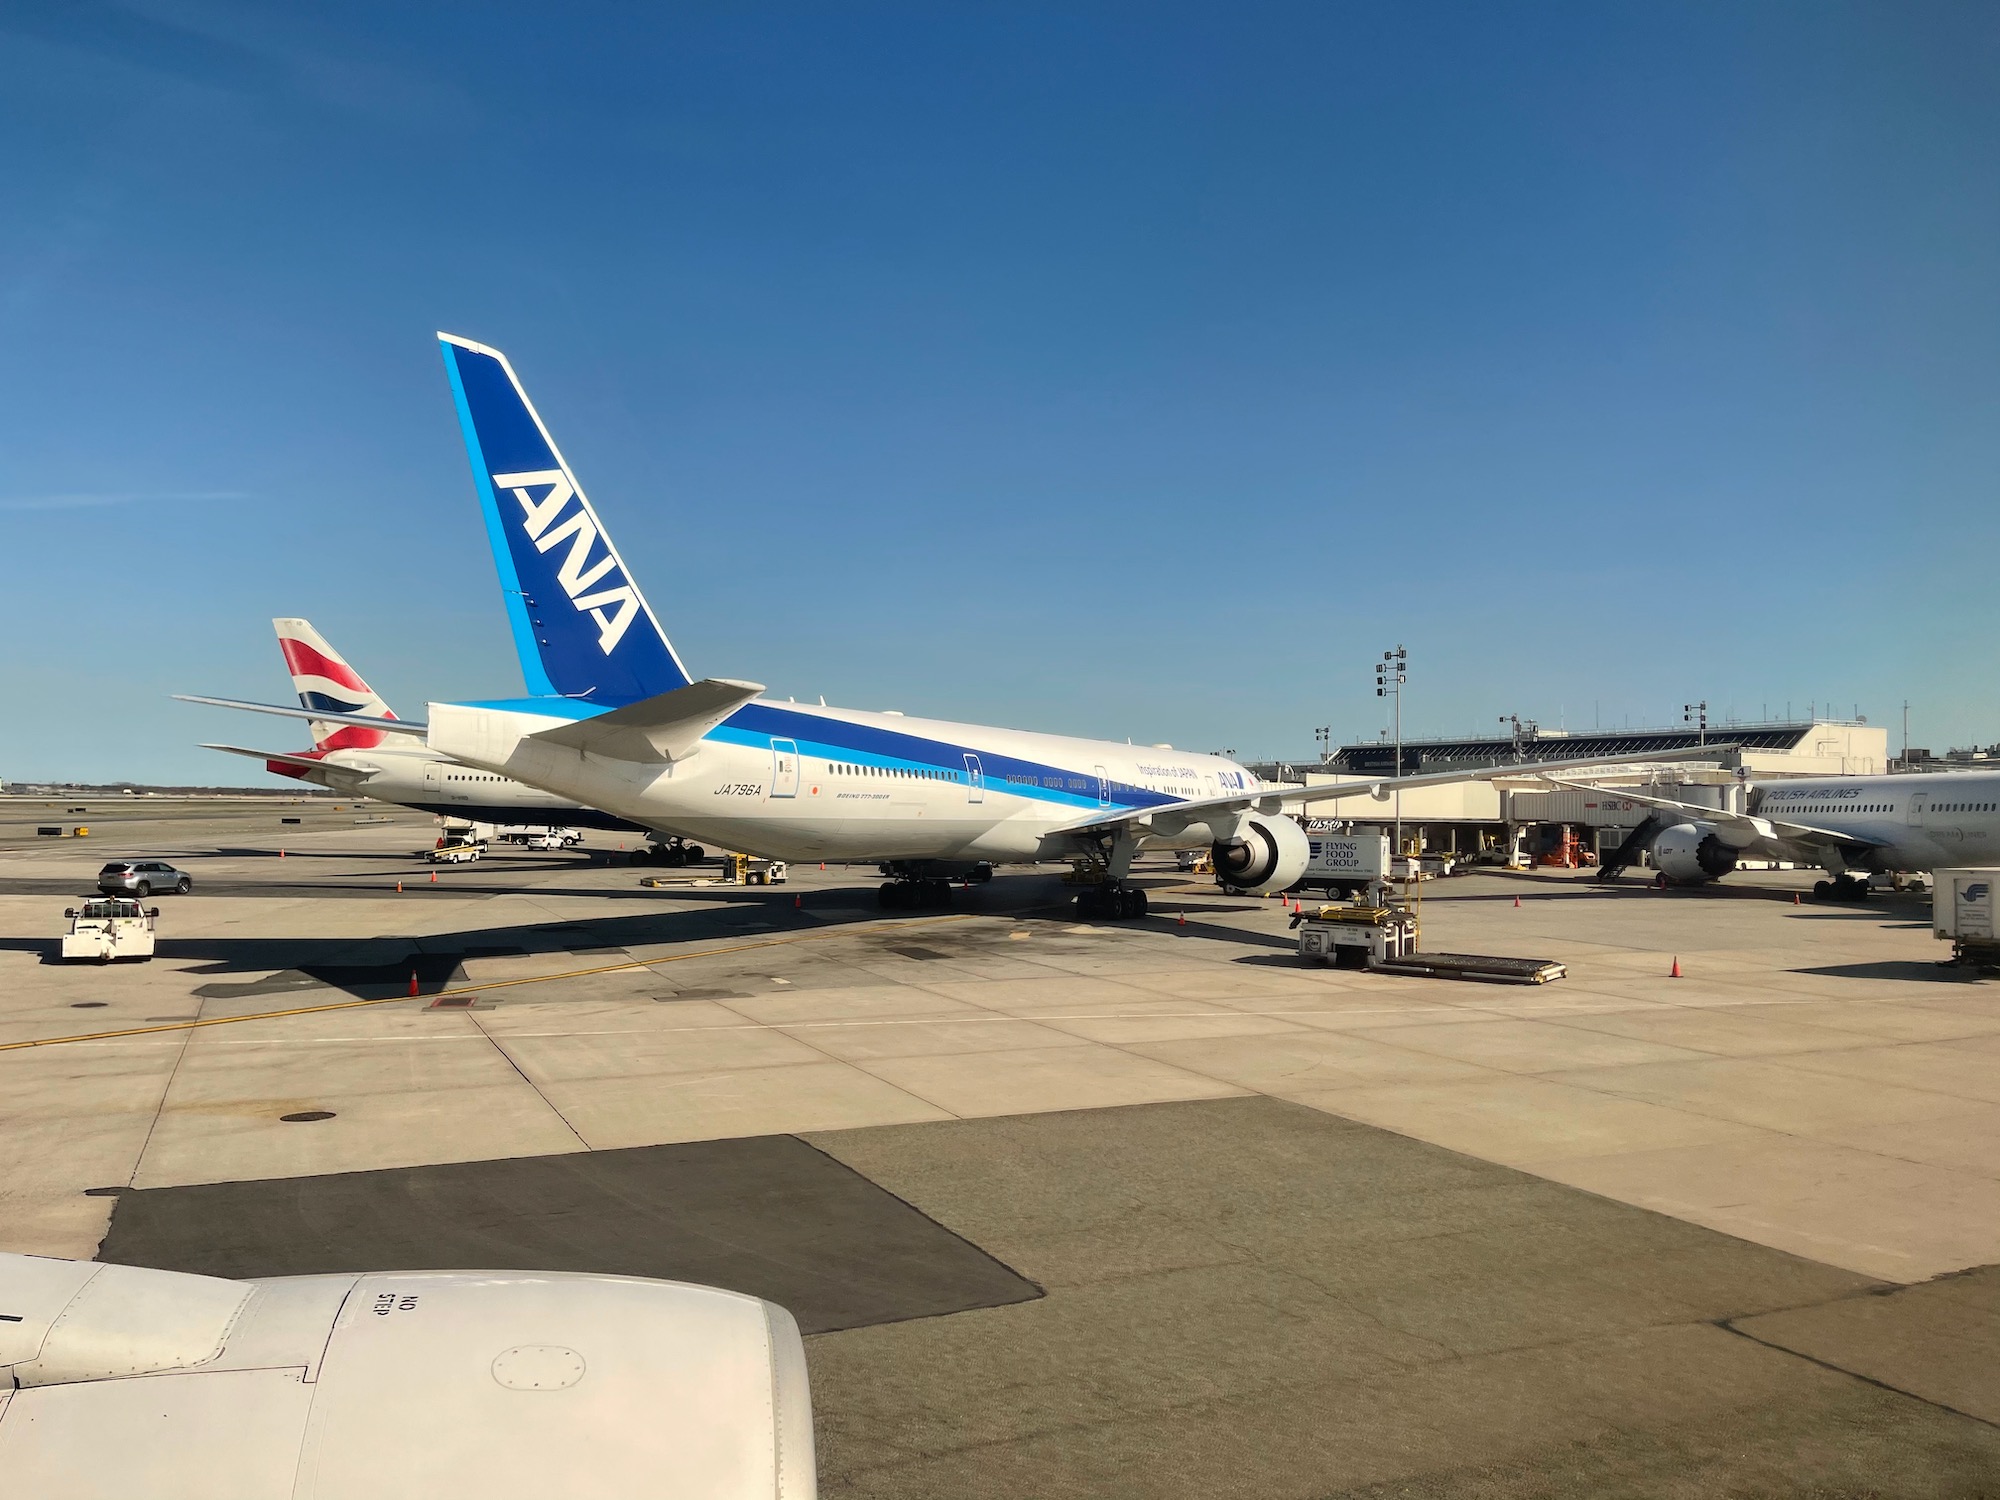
[[1345, 863], [109, 930], [142, 878], [1962, 902]]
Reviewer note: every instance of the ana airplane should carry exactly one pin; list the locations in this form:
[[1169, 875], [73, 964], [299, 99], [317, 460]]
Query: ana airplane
[[614, 720], [378, 760], [1849, 826]]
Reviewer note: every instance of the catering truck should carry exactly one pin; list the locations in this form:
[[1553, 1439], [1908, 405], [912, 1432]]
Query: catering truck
[[1962, 913], [1344, 864]]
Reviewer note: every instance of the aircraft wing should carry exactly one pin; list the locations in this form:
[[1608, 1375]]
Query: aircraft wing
[[1271, 799], [1775, 829], [304, 762], [318, 716], [665, 727]]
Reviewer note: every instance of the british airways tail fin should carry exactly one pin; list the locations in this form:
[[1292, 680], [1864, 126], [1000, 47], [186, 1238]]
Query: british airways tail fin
[[324, 681], [581, 626]]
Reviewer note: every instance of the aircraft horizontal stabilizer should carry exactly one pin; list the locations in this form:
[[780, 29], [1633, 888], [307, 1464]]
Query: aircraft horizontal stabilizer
[[663, 728], [319, 716], [303, 762]]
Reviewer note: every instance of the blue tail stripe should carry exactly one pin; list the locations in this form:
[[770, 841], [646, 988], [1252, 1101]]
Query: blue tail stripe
[[326, 703], [581, 625], [532, 671]]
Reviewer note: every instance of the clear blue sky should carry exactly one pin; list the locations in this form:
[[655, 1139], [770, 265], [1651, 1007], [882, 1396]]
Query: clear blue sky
[[1124, 369]]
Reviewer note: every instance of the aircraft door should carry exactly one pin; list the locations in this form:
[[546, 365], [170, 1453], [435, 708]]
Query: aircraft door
[[1919, 804], [784, 768], [434, 779], [975, 780], [1103, 788]]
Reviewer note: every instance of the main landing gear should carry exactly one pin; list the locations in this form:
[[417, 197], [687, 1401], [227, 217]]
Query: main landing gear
[[915, 895], [1841, 888], [1110, 902], [672, 852]]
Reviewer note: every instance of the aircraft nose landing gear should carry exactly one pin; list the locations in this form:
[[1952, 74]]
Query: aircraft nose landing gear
[[1841, 888], [1113, 902]]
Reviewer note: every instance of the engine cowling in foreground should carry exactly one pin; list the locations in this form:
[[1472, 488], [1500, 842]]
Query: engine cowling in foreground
[[1689, 854], [1261, 854], [481, 1385]]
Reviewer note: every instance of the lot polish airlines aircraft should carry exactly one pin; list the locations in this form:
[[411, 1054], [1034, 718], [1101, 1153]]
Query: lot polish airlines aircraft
[[1849, 826], [367, 760], [615, 721]]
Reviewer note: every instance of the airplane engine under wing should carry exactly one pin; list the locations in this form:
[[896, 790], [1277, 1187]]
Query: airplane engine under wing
[[500, 1385], [1262, 854], [1689, 854]]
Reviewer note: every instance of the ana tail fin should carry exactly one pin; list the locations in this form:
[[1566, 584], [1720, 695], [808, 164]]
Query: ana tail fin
[[324, 680], [581, 627]]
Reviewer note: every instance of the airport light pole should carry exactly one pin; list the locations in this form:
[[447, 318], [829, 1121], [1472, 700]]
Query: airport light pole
[[1323, 736], [1391, 672], [1689, 713]]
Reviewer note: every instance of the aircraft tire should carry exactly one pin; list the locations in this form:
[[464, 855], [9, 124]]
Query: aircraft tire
[[694, 852]]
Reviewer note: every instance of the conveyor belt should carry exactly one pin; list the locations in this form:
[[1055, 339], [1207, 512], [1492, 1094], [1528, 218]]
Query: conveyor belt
[[1481, 966]]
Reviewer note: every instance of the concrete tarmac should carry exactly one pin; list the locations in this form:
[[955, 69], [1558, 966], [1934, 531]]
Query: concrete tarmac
[[1674, 1212]]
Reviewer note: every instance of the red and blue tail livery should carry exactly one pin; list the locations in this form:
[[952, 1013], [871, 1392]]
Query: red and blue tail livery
[[326, 683]]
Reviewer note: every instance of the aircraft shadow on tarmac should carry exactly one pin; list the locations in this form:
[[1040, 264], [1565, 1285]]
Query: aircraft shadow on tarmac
[[1921, 971]]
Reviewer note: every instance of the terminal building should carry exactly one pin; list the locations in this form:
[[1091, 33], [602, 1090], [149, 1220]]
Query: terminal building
[[1520, 817]]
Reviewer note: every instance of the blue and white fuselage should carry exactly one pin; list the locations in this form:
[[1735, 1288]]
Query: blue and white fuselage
[[790, 781]]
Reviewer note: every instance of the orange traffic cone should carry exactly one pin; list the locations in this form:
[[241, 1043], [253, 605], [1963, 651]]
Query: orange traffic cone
[[1517, 900], [1795, 899], [822, 864], [399, 887], [798, 902], [1183, 921], [434, 877], [413, 981], [1675, 971], [281, 854]]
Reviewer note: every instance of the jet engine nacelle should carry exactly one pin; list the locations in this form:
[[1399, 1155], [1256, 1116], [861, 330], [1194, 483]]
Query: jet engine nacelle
[[1689, 854], [1262, 854]]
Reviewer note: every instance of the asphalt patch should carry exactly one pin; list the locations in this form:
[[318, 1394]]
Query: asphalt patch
[[768, 1215]]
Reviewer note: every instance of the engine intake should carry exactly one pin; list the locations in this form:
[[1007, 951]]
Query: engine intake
[[1689, 854], [1262, 855]]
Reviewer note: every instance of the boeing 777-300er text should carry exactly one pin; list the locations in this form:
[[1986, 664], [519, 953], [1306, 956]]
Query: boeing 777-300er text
[[614, 720], [1850, 826], [365, 760]]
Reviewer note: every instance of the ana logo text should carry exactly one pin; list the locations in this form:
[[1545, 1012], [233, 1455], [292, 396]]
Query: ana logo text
[[613, 608]]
